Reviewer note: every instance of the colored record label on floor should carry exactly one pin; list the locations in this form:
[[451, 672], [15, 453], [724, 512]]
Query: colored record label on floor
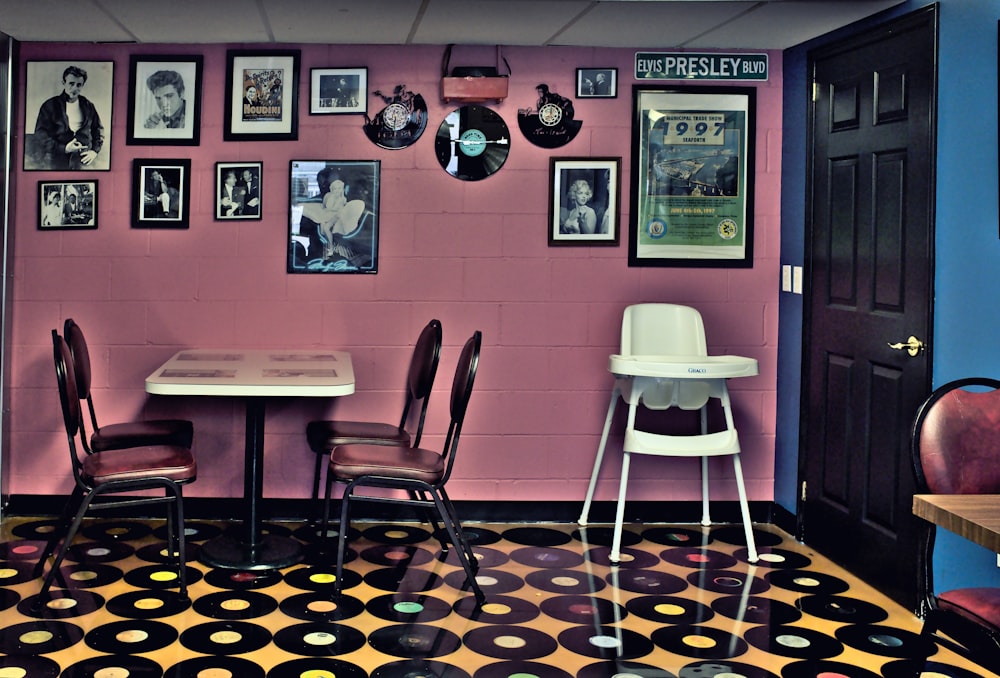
[[319, 639]]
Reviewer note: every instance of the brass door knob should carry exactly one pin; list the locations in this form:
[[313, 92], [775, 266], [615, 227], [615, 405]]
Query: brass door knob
[[913, 346]]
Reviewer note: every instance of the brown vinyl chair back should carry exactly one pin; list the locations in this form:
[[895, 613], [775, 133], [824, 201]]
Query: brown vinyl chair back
[[80, 361], [956, 439], [461, 392], [420, 377], [69, 398], [955, 449]]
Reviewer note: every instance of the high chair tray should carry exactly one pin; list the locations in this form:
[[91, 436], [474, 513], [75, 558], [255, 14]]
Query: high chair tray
[[682, 367]]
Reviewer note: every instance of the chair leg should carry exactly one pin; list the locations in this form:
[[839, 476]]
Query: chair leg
[[324, 524], [453, 517], [345, 502], [616, 540], [181, 545], [745, 510], [585, 513], [317, 474], [64, 547], [59, 529], [706, 517], [460, 549], [417, 496]]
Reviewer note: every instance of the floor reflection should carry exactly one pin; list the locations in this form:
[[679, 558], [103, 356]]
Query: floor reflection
[[684, 603]]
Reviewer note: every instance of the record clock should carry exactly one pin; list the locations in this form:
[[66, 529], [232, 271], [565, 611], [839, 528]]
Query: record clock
[[400, 123]]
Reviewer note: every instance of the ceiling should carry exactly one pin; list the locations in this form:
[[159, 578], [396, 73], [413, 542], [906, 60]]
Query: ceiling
[[692, 24]]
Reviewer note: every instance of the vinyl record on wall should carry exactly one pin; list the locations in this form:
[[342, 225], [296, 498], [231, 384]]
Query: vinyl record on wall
[[472, 143]]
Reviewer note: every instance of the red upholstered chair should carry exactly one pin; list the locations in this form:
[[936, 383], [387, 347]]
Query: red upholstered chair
[[422, 473], [96, 474], [956, 450], [126, 434], [325, 435]]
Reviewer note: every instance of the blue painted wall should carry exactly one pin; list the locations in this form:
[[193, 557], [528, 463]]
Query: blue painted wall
[[967, 244]]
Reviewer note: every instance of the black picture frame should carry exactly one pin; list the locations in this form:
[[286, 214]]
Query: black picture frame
[[161, 193], [164, 100], [67, 205], [338, 233], [244, 200], [338, 91], [693, 151], [595, 221], [46, 148], [273, 77], [597, 83]]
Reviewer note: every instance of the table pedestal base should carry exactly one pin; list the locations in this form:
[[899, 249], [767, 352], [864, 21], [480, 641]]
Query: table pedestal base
[[271, 552]]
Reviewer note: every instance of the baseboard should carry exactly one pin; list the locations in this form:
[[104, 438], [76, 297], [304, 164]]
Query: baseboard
[[602, 512], [785, 519]]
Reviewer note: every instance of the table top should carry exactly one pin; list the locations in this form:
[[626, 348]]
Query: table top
[[683, 367], [253, 372], [975, 517]]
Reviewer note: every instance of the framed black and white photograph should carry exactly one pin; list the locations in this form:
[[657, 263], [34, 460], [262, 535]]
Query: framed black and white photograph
[[238, 190], [164, 100], [49, 142], [161, 193], [584, 199], [692, 176], [596, 83], [334, 91], [334, 216], [262, 94], [64, 205]]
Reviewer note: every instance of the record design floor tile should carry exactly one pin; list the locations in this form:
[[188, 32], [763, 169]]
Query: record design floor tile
[[684, 603]]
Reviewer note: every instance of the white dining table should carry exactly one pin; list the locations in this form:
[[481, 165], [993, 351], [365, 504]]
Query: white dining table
[[253, 375]]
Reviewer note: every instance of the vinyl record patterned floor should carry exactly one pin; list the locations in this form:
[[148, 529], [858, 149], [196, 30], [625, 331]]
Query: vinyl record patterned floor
[[684, 603]]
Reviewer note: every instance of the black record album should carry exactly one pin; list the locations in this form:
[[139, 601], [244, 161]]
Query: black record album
[[472, 143]]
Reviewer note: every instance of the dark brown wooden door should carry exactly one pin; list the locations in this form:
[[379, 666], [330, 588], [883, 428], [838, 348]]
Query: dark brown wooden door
[[869, 262]]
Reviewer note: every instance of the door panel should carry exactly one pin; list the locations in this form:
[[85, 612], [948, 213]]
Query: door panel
[[870, 266]]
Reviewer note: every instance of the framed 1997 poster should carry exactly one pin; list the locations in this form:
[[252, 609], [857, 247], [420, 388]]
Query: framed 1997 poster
[[693, 169]]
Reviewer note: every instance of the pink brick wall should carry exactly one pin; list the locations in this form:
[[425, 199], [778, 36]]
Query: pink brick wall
[[473, 254]]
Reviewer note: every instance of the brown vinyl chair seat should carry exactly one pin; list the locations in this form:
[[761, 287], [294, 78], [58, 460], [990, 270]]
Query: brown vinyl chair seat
[[171, 462], [399, 463], [326, 435], [977, 604], [118, 436], [179, 432]]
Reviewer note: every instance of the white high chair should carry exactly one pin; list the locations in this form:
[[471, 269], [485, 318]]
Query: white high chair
[[664, 363]]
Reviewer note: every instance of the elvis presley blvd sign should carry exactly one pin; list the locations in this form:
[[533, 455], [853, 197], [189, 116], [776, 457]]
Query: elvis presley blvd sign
[[694, 66]]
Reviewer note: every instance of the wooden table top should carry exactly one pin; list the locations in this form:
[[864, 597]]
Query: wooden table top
[[975, 517]]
